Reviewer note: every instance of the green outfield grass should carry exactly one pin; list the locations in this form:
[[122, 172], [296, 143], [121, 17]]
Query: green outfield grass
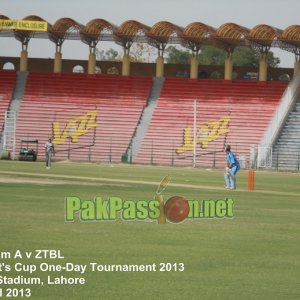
[[254, 255]]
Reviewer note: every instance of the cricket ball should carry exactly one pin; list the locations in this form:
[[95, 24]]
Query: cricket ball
[[177, 209]]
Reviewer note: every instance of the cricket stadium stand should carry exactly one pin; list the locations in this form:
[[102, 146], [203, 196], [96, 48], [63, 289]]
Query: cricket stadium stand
[[90, 117], [286, 151], [94, 117], [231, 112]]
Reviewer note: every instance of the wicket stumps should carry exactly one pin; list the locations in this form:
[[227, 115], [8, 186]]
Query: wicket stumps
[[251, 186]]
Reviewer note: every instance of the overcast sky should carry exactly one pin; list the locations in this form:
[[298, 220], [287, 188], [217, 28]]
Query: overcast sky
[[247, 13]]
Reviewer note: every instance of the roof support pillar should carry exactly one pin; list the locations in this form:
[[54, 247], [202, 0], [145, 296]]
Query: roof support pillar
[[24, 61], [263, 66], [160, 63], [57, 62], [228, 66], [92, 63], [194, 66], [296, 65], [126, 64]]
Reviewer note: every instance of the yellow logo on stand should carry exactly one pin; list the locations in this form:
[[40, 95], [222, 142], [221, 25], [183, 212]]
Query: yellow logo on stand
[[74, 128], [209, 132]]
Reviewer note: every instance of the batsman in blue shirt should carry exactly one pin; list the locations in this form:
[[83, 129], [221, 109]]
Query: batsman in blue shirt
[[232, 167]]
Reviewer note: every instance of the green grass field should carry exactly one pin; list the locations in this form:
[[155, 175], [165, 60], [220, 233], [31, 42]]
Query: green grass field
[[254, 255]]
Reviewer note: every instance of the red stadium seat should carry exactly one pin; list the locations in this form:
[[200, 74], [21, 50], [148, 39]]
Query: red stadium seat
[[64, 98], [248, 104]]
